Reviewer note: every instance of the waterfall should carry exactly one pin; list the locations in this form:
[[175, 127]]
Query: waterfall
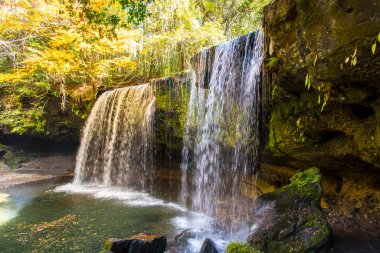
[[116, 146], [222, 129]]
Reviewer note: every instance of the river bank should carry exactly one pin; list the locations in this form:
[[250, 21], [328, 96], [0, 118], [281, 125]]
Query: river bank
[[39, 168]]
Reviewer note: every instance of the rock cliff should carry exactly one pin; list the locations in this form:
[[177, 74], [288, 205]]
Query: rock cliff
[[324, 106]]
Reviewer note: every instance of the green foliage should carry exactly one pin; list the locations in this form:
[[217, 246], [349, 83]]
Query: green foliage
[[238, 247], [324, 88], [271, 62], [273, 93], [374, 45], [107, 15], [68, 51], [308, 81], [78, 112], [298, 122], [172, 107], [351, 59], [324, 91], [23, 121], [236, 17]]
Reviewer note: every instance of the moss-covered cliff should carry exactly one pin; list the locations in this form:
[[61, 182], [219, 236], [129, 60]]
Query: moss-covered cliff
[[172, 94], [324, 108]]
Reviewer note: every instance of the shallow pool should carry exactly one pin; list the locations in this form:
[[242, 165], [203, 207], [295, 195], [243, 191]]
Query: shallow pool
[[36, 218], [48, 216]]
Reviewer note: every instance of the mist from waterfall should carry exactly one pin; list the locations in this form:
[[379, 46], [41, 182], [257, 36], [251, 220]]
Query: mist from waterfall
[[116, 146], [222, 129]]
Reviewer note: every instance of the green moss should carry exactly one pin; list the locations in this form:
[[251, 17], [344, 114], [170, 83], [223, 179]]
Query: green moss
[[321, 235], [108, 245], [299, 225], [238, 247], [307, 184], [290, 118], [171, 115]]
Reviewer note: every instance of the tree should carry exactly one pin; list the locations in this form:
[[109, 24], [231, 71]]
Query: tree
[[108, 15], [69, 51]]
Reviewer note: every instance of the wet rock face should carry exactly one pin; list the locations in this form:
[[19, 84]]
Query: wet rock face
[[64, 125], [290, 219], [140, 243], [172, 96], [320, 35], [334, 124], [209, 246]]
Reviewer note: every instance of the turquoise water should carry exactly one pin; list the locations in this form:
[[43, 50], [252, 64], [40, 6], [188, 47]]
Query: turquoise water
[[43, 220]]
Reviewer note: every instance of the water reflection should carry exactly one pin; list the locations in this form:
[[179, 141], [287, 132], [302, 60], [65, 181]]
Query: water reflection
[[13, 199]]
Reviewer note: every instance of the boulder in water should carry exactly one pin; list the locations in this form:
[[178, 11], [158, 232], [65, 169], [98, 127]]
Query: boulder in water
[[209, 246], [290, 219], [141, 243], [182, 239]]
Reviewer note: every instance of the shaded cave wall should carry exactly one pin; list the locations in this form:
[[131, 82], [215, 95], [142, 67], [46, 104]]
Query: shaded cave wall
[[332, 121]]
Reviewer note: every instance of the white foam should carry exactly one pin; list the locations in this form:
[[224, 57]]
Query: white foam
[[131, 198], [198, 223], [201, 225], [195, 221], [195, 244]]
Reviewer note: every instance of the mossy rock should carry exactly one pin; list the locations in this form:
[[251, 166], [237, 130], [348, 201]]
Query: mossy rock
[[10, 160], [290, 219], [307, 185], [138, 243], [172, 94], [238, 247]]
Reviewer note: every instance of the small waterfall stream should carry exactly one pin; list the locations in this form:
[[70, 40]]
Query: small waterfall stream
[[116, 146], [221, 136]]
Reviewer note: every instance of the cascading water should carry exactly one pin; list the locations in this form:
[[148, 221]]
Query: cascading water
[[220, 141], [221, 136], [116, 147]]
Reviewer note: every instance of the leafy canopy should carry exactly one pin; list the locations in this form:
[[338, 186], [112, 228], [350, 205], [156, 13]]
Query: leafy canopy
[[68, 50]]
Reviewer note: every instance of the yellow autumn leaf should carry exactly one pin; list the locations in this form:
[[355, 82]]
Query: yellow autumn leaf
[[373, 48]]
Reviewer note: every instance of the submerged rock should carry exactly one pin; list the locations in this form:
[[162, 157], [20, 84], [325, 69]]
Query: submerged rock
[[290, 219], [209, 246], [140, 243]]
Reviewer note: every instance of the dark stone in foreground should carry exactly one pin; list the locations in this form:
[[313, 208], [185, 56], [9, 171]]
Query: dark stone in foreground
[[290, 219], [209, 246], [140, 243]]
